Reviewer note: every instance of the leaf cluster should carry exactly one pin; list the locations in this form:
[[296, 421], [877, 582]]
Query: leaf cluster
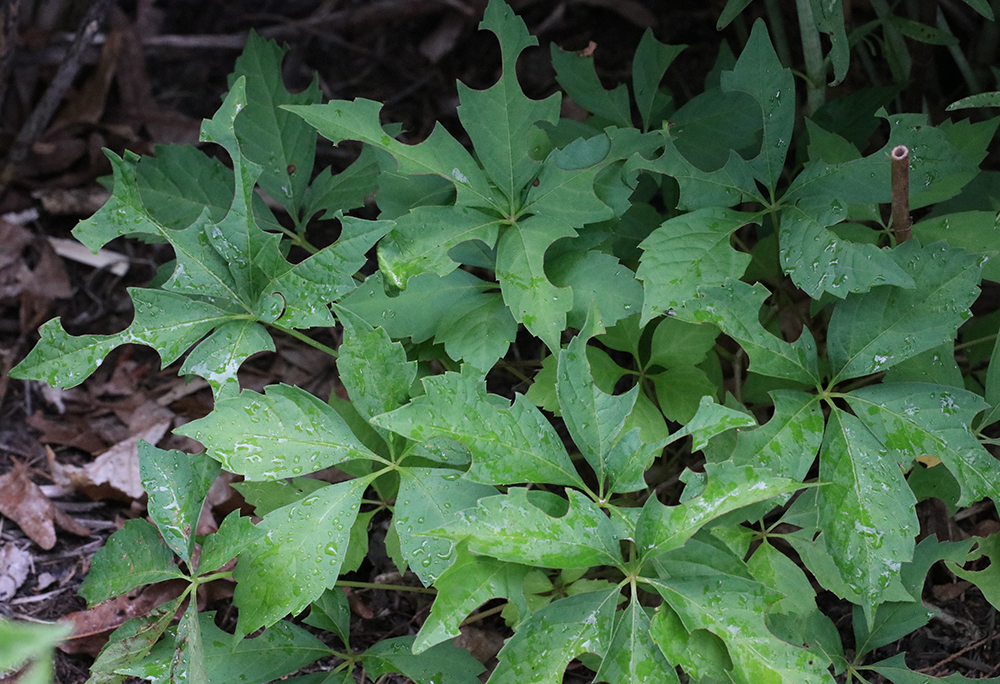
[[708, 304]]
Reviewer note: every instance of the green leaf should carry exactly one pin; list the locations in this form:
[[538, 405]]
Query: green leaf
[[133, 556], [730, 12], [22, 641], [710, 420], [466, 584], [990, 99], [818, 261], [599, 279], [733, 308], [829, 18], [218, 357], [299, 556], [992, 388], [663, 528], [759, 74], [179, 182], [499, 119], [594, 419], [789, 442], [132, 642], [545, 643], [710, 126], [527, 291], [988, 580], [442, 664], [576, 74], [512, 528], [509, 444], [177, 484], [779, 573], [332, 613], [421, 240], [282, 433], [440, 154], [278, 651], [652, 59], [919, 419], [725, 187], [308, 288], [689, 252], [873, 331], [866, 511], [430, 498], [167, 322], [332, 194], [973, 231], [632, 655], [372, 367], [895, 670], [281, 143], [234, 534], [699, 652]]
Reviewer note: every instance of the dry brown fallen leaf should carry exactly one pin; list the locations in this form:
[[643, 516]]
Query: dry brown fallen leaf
[[14, 566], [92, 627], [23, 501], [112, 475]]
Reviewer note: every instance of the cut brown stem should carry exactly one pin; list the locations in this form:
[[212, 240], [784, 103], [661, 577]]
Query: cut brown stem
[[900, 156]]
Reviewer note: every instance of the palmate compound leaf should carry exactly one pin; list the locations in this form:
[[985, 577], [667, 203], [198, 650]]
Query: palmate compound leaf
[[733, 307], [509, 444], [512, 528], [866, 509], [545, 643], [730, 487], [299, 556], [685, 253], [918, 419], [873, 331], [283, 433], [229, 275]]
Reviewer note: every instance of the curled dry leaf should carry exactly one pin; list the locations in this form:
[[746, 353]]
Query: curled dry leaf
[[14, 565], [22, 501], [115, 473]]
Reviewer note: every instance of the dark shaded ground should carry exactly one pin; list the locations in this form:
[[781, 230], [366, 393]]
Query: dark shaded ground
[[168, 70]]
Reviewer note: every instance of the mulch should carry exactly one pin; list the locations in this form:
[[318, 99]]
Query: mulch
[[154, 72]]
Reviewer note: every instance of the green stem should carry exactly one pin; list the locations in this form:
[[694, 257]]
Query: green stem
[[978, 340], [385, 587], [305, 338], [812, 52]]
